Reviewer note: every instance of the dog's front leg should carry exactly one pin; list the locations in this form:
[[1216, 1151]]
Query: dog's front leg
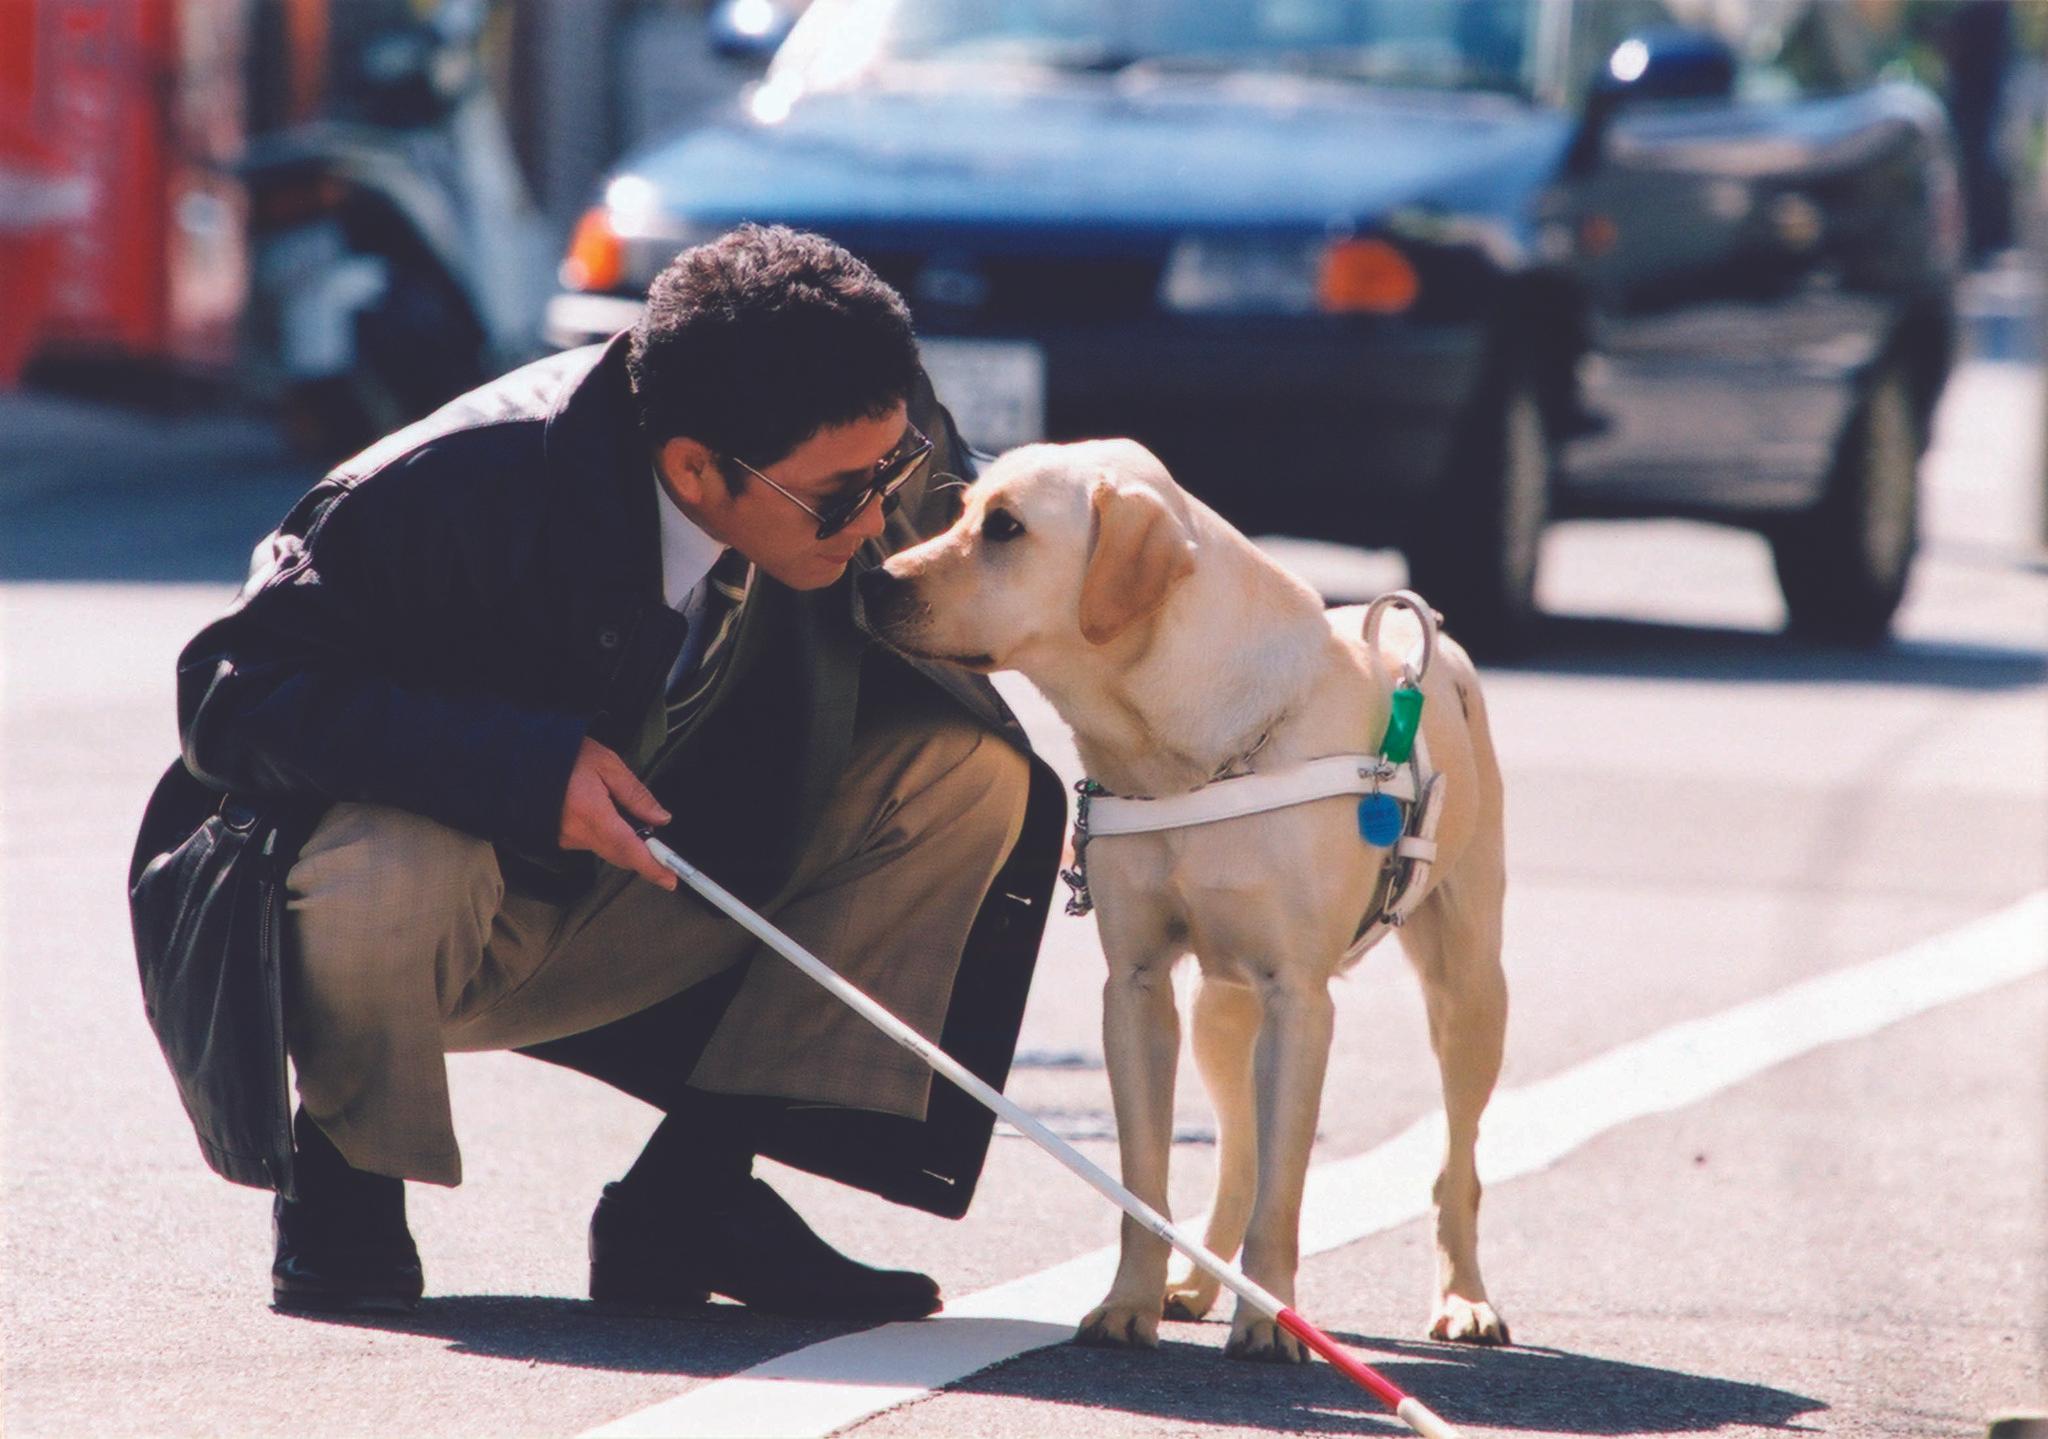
[[1288, 1063], [1226, 1027], [1141, 1043]]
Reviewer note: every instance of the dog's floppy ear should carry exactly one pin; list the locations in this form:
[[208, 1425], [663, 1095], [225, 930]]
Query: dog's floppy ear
[[1139, 551]]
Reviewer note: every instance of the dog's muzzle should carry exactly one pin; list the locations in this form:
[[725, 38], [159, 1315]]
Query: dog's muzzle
[[885, 599]]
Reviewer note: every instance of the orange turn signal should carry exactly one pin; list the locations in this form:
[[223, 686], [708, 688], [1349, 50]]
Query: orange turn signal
[[1369, 275], [597, 256]]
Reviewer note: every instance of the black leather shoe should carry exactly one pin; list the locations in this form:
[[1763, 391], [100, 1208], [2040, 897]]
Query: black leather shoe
[[750, 1247], [342, 1245]]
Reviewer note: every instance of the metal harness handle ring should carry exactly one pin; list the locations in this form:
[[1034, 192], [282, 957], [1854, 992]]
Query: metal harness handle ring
[[1424, 614]]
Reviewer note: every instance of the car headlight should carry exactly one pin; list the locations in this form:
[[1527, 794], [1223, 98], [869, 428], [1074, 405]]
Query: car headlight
[[1220, 275]]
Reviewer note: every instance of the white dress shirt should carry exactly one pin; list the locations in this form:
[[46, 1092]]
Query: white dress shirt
[[687, 555]]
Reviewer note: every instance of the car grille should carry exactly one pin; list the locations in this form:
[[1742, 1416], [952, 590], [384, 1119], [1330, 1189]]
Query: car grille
[[1020, 292]]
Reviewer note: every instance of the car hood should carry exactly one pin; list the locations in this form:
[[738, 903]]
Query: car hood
[[1242, 151]]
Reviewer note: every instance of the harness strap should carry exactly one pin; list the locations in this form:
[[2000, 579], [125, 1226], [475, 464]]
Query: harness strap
[[1337, 774]]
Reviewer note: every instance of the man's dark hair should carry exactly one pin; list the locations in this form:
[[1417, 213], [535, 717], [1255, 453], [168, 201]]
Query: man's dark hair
[[754, 342]]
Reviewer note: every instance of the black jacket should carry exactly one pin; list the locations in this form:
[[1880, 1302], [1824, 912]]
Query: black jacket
[[437, 625]]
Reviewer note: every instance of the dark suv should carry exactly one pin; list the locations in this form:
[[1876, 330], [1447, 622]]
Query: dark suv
[[1424, 273]]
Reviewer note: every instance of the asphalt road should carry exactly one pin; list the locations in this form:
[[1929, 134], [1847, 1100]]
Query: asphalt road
[[1853, 1241]]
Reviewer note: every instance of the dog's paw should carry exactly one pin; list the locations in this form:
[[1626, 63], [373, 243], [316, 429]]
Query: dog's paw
[[1463, 1322], [1114, 1325], [1190, 1298], [1258, 1338]]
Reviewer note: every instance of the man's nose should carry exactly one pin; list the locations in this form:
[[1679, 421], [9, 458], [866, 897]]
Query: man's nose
[[869, 523]]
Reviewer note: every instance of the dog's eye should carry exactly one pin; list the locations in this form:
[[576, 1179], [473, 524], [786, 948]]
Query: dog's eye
[[1001, 525]]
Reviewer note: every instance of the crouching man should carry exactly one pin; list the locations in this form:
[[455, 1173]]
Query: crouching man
[[610, 589]]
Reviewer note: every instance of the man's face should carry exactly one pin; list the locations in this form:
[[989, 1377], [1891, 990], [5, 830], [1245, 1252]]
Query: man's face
[[769, 528]]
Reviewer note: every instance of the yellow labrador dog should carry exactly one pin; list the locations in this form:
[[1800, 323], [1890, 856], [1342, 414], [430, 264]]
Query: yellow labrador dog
[[1178, 652]]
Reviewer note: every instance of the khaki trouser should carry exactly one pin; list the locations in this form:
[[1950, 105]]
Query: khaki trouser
[[410, 946]]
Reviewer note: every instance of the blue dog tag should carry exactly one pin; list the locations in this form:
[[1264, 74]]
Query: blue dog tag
[[1379, 820]]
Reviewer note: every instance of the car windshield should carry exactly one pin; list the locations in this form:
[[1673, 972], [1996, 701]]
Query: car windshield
[[1451, 44]]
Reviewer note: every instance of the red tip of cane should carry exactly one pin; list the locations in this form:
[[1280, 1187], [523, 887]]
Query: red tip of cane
[[1417, 1415], [1363, 1375]]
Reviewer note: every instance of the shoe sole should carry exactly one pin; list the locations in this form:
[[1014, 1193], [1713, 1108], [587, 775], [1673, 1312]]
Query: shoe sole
[[879, 1315], [686, 1308], [389, 1305], [616, 1296], [683, 1308], [612, 1296]]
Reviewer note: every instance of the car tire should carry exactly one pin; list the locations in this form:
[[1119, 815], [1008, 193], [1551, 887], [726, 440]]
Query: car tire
[[1476, 548], [1843, 565]]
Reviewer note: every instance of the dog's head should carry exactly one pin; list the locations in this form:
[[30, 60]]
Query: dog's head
[[1059, 548]]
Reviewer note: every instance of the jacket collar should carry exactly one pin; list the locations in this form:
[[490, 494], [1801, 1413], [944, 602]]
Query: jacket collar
[[603, 521]]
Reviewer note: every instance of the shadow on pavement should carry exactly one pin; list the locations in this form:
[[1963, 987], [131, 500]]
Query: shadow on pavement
[[1543, 1390], [1650, 650], [708, 1343]]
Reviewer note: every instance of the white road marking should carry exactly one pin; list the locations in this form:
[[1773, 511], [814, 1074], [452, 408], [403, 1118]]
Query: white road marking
[[823, 1388]]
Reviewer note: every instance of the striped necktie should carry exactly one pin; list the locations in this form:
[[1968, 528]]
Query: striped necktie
[[724, 596]]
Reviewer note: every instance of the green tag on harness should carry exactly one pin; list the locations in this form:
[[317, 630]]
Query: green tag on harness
[[1403, 720]]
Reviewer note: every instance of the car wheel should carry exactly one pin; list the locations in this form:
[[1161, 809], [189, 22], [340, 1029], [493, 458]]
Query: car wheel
[[1475, 553], [1843, 564]]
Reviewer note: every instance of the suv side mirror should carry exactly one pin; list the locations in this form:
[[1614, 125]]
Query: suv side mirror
[[1668, 63], [749, 30]]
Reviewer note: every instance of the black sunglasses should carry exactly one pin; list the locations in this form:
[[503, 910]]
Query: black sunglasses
[[891, 473]]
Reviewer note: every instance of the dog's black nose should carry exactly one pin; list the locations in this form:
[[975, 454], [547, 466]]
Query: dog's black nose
[[876, 583], [883, 596]]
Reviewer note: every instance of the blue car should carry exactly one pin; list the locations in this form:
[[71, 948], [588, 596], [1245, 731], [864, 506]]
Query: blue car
[[1419, 273]]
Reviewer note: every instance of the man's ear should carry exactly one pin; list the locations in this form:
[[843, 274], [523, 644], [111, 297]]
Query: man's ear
[[689, 470], [1139, 551]]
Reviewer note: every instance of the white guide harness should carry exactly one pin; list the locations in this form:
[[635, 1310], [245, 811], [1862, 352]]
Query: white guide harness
[[1409, 782]]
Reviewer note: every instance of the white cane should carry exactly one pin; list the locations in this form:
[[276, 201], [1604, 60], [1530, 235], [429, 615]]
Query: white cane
[[1412, 1411]]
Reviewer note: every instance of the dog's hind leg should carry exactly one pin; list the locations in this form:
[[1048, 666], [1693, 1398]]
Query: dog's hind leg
[[1454, 941], [1226, 1026], [1141, 1044]]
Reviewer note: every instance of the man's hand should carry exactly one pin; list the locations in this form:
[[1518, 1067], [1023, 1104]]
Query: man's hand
[[599, 788]]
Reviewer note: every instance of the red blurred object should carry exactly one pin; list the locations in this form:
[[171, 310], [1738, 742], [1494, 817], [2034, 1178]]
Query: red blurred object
[[36, 200], [129, 112]]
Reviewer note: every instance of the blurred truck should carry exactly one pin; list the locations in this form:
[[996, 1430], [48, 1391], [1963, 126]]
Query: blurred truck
[[315, 200], [130, 112]]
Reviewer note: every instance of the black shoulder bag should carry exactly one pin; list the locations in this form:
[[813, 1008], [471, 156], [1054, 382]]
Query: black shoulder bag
[[206, 898]]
